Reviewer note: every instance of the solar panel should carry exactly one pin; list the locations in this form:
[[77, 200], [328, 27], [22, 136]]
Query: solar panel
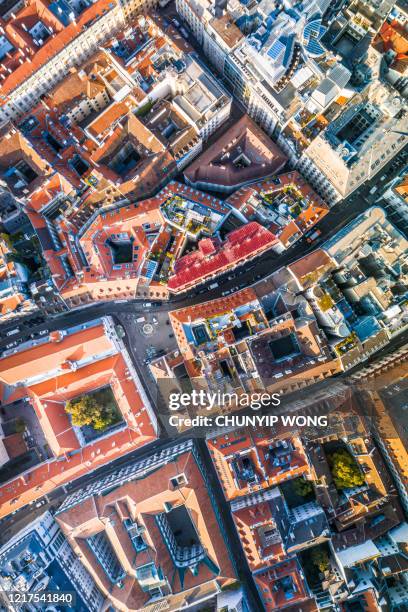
[[150, 269], [277, 48], [312, 34]]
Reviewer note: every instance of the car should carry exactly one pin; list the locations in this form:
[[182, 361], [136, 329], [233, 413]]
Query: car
[[43, 332], [12, 332], [311, 236], [11, 345], [155, 321], [175, 23], [147, 305], [184, 32], [40, 503]]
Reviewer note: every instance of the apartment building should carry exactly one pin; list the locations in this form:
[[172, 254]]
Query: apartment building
[[150, 534], [353, 149], [258, 53], [42, 376], [396, 203], [63, 36], [37, 558]]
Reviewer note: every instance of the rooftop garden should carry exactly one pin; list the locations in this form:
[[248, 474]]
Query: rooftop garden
[[288, 200], [347, 344], [96, 411]]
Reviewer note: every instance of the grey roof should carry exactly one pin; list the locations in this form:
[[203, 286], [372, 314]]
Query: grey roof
[[308, 529], [45, 239], [340, 75]]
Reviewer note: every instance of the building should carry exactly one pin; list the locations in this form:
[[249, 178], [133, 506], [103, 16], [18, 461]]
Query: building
[[84, 360], [42, 41], [213, 257], [12, 218], [286, 205], [391, 43], [384, 400], [122, 251], [151, 534], [244, 344], [248, 462], [357, 306], [243, 155], [170, 125], [111, 131], [38, 558], [395, 204], [311, 78], [283, 587], [270, 58], [353, 149], [193, 91], [15, 297]]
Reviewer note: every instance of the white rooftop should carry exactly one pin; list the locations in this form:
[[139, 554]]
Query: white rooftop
[[357, 554]]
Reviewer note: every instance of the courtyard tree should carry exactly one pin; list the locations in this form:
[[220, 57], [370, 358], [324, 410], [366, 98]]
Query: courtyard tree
[[302, 487], [86, 410], [320, 559], [345, 470]]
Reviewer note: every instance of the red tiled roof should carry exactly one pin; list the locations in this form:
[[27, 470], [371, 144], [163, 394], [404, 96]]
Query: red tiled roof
[[212, 257], [218, 164]]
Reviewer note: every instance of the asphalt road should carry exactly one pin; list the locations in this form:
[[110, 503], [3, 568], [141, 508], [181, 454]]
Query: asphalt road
[[243, 276]]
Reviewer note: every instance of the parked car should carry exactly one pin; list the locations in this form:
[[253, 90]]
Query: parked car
[[311, 237]]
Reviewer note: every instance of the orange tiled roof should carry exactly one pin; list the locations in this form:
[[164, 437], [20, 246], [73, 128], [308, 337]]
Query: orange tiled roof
[[54, 45], [48, 356], [142, 500], [48, 397]]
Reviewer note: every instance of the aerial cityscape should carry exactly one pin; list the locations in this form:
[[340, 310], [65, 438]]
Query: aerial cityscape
[[203, 305]]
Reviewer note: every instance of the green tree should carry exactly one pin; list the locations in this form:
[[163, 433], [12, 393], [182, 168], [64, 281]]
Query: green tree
[[85, 410], [302, 487], [20, 425], [345, 470], [320, 559]]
